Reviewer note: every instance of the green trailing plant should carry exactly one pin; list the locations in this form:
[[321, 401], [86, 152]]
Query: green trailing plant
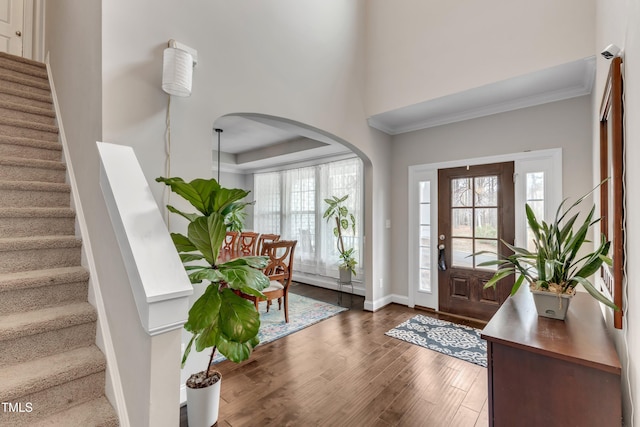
[[345, 221], [219, 319], [557, 264]]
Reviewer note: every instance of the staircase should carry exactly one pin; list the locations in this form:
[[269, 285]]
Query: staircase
[[51, 372]]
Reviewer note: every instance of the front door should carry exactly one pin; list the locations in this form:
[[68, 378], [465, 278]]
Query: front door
[[475, 212], [11, 26]]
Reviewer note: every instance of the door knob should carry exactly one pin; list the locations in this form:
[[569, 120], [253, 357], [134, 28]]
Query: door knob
[[18, 33]]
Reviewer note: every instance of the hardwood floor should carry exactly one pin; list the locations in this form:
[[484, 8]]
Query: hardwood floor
[[344, 371]]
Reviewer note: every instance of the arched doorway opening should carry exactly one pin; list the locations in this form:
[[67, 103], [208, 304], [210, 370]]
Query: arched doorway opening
[[295, 167]]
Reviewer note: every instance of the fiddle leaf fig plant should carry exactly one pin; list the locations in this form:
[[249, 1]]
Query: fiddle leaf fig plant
[[556, 265], [219, 319], [345, 220]]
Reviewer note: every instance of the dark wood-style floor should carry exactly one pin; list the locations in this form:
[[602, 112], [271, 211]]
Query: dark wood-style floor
[[344, 371]]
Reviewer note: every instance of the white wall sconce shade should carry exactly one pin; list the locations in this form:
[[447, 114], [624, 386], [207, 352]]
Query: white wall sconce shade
[[177, 71]]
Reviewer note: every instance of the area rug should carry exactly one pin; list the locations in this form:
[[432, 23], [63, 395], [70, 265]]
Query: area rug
[[303, 312], [459, 341]]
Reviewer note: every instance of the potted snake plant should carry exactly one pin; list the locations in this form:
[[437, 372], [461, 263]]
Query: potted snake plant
[[345, 221], [557, 265], [219, 319]]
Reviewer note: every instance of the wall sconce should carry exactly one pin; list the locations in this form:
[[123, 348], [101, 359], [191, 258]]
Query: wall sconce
[[177, 68]]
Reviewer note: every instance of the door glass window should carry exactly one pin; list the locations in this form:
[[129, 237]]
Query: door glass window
[[425, 236], [474, 220]]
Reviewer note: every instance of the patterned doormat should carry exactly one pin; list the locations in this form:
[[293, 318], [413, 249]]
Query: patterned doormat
[[459, 341], [303, 312]]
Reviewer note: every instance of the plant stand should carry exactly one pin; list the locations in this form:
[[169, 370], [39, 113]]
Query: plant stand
[[341, 285]]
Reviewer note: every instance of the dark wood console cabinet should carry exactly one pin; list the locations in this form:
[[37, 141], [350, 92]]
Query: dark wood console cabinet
[[546, 372]]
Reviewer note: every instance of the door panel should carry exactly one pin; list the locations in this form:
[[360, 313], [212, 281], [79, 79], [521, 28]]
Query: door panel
[[11, 12], [475, 212]]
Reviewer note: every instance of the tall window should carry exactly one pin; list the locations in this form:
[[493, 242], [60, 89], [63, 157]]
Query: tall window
[[424, 263], [291, 203]]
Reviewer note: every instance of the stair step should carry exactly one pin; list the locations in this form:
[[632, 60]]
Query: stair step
[[95, 413], [39, 253], [31, 334], [36, 289], [52, 383], [19, 169], [33, 194], [23, 65], [27, 129], [15, 95], [35, 86], [24, 222], [25, 80], [13, 146], [22, 97], [12, 110]]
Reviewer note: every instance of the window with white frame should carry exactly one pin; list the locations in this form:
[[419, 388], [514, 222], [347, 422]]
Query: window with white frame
[[291, 203], [424, 263]]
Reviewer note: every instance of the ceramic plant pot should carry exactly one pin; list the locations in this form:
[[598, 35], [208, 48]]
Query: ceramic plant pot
[[345, 275], [551, 304], [203, 405]]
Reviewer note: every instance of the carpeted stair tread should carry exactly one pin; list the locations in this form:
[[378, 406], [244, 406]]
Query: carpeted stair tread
[[26, 169], [42, 127], [34, 194], [27, 323], [30, 109], [36, 213], [21, 93], [35, 186], [36, 289], [32, 163], [41, 278], [95, 413], [24, 81], [38, 242], [21, 60], [36, 221], [43, 373], [31, 142]]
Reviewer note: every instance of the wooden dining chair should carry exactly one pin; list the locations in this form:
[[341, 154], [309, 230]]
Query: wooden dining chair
[[278, 271], [230, 242], [265, 238], [247, 243]]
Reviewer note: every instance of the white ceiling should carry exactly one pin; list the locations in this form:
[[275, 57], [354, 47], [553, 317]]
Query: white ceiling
[[549, 85], [250, 143]]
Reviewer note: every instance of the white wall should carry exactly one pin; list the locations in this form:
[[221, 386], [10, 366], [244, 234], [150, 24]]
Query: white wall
[[419, 50], [74, 42], [565, 124], [299, 61], [617, 22]]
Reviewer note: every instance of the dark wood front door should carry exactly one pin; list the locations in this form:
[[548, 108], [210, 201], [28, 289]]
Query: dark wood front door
[[475, 212]]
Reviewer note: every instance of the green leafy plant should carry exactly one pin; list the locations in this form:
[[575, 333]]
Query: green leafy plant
[[557, 264], [345, 220], [235, 215], [219, 319]]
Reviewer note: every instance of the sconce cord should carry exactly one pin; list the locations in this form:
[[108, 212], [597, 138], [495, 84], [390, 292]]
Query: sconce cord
[[167, 165]]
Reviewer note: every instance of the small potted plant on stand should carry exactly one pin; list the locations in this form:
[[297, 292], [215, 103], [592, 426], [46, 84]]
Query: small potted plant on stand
[[219, 319], [556, 266], [345, 221]]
